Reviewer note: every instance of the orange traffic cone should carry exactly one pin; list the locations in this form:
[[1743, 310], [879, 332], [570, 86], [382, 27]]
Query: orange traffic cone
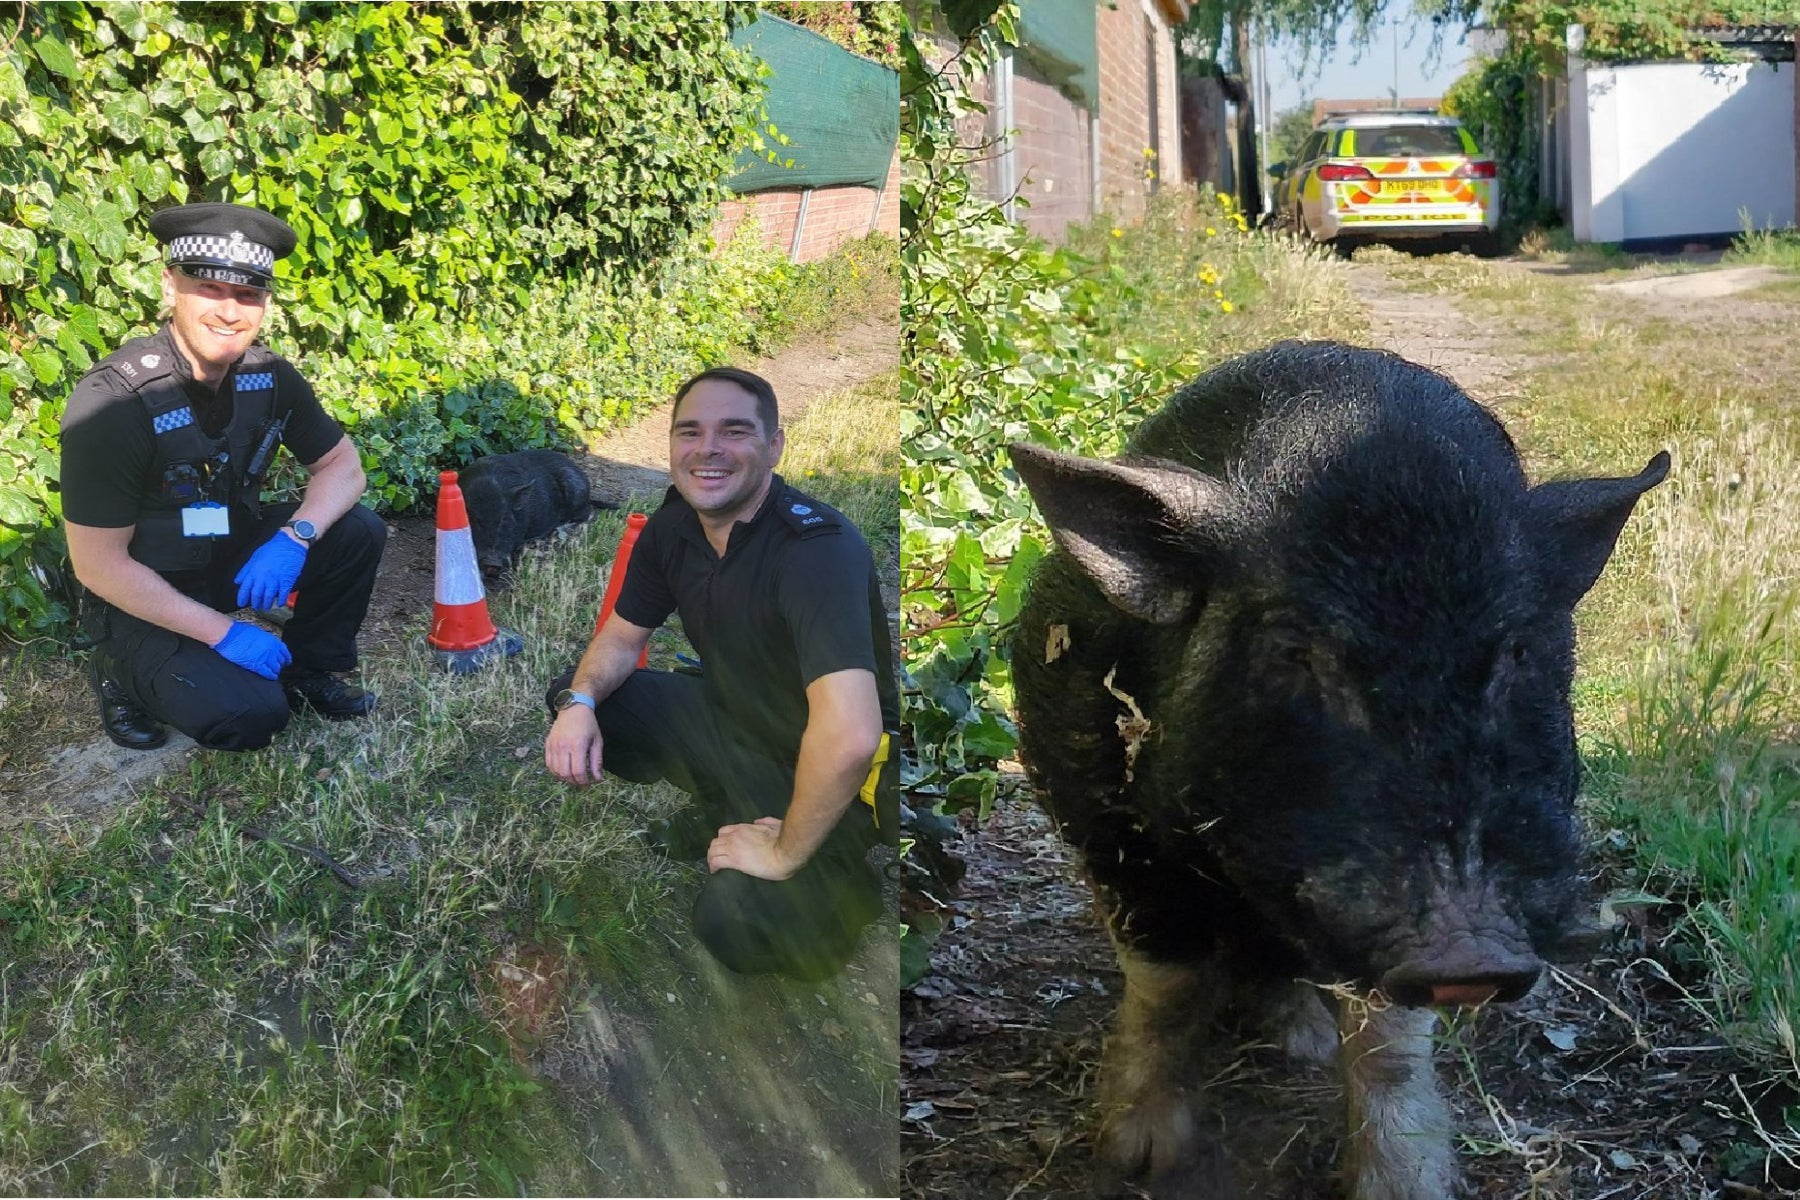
[[462, 636], [634, 525]]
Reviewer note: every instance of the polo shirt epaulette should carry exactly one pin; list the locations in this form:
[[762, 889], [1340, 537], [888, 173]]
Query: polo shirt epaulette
[[804, 519]]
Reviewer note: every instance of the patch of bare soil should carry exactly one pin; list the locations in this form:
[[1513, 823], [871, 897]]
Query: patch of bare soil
[[1432, 331], [1603, 1082]]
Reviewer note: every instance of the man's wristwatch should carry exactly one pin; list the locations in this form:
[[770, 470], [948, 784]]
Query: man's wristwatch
[[306, 531], [568, 697]]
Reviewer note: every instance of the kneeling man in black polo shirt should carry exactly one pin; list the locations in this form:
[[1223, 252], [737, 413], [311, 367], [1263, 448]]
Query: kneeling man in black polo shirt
[[780, 740]]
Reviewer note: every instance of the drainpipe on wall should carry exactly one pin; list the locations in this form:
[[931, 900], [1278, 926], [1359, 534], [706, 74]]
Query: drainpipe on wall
[[1093, 128], [1005, 163], [799, 225]]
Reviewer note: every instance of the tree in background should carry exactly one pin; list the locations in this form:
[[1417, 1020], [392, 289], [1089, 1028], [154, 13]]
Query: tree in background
[[1289, 130], [1221, 32]]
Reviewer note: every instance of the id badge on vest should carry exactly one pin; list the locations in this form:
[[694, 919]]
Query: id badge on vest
[[209, 518]]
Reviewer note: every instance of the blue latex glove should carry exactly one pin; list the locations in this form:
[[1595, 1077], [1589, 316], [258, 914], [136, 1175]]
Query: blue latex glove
[[265, 581], [254, 649]]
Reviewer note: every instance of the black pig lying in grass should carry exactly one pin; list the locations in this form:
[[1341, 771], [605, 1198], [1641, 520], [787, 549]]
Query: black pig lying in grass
[[514, 498], [1296, 684]]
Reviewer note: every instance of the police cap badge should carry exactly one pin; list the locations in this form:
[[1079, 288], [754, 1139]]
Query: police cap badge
[[229, 243]]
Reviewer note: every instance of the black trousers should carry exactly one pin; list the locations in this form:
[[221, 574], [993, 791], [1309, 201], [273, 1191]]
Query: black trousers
[[659, 725], [189, 685]]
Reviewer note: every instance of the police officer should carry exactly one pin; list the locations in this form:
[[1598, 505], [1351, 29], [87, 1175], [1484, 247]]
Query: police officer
[[780, 740], [165, 445]]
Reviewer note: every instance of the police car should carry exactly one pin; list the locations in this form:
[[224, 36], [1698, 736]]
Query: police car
[[1388, 176]]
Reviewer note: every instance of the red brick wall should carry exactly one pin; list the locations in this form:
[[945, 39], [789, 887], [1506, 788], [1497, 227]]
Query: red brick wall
[[1124, 119], [834, 215], [1123, 39], [1051, 154]]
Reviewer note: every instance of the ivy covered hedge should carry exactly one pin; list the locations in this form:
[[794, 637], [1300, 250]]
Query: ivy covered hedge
[[502, 211]]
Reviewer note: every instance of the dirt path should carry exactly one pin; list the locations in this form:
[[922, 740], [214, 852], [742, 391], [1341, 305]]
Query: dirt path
[[1431, 330], [56, 765], [1603, 1083]]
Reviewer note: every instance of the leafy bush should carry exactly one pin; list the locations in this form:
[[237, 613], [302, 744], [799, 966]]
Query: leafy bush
[[1011, 339], [501, 212], [1495, 100], [870, 28]]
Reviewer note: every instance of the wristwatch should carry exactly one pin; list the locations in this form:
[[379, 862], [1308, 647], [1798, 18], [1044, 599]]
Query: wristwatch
[[568, 697], [306, 531]]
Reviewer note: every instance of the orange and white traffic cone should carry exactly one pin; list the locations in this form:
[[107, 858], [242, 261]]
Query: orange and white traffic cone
[[634, 525], [462, 636]]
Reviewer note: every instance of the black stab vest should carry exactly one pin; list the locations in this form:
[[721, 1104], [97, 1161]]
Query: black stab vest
[[148, 368]]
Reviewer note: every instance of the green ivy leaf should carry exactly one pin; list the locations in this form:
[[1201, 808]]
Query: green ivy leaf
[[206, 131], [54, 53], [45, 363], [123, 120], [218, 160], [16, 508]]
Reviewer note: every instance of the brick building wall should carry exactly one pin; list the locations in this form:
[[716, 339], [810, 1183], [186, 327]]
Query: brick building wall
[[1049, 158], [1139, 109], [1052, 159], [834, 215]]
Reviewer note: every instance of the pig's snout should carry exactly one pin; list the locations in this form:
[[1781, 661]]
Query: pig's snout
[[1476, 974]]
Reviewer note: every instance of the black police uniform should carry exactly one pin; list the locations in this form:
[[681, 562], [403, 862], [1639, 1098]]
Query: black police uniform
[[794, 598], [141, 440]]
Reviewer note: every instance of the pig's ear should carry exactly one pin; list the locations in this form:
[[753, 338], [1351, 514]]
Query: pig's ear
[[1576, 522], [1134, 527]]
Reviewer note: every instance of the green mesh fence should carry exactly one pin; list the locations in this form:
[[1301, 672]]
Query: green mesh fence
[[840, 112], [1060, 41]]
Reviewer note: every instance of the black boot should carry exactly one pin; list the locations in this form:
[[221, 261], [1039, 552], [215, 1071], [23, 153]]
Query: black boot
[[331, 697], [125, 723]]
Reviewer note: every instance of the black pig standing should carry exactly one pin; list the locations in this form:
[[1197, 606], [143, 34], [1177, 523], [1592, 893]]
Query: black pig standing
[[1296, 684], [513, 498]]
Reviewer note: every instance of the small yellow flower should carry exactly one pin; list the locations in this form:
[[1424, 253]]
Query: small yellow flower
[[1226, 306], [1218, 295], [1211, 232], [1149, 152], [1118, 232]]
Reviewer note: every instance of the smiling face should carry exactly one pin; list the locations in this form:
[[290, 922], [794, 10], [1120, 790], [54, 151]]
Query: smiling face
[[214, 323], [720, 457]]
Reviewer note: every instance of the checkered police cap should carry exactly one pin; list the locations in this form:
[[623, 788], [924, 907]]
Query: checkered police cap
[[229, 243]]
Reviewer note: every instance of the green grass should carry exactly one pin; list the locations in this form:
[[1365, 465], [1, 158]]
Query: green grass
[[1765, 247], [1687, 692], [844, 451], [298, 1036], [187, 1011], [859, 281], [1558, 245]]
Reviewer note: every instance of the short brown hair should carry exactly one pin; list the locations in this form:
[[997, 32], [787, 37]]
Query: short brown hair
[[766, 412]]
